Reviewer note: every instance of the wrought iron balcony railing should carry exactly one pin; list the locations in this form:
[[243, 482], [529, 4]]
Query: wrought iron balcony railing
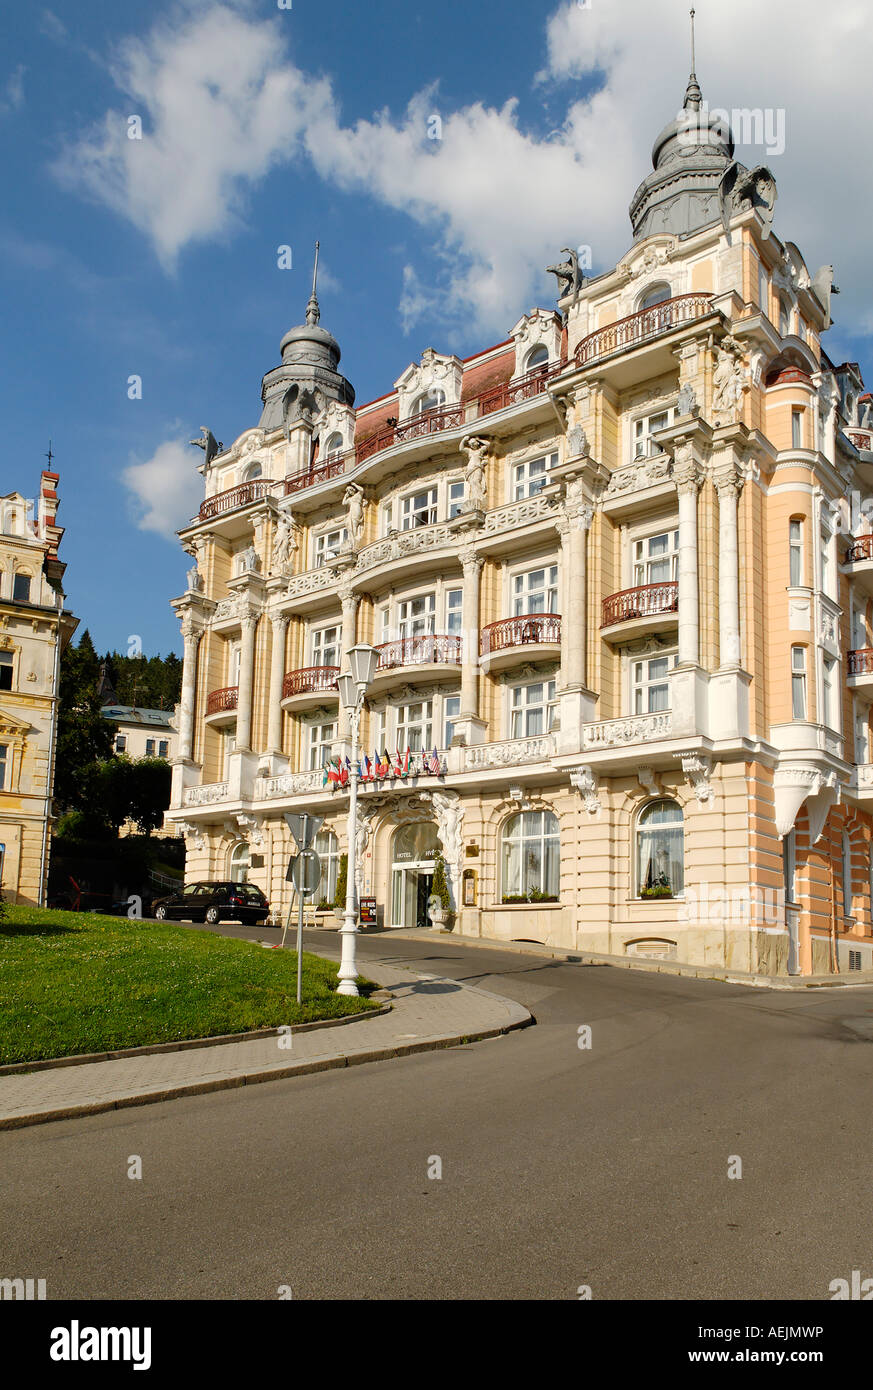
[[861, 662], [861, 549], [643, 602], [240, 496], [639, 328], [310, 680], [219, 701], [520, 632], [429, 649]]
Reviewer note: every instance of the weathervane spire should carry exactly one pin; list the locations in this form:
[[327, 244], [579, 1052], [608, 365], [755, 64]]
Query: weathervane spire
[[313, 313], [693, 62], [693, 94]]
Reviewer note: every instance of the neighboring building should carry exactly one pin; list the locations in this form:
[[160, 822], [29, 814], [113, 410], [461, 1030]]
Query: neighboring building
[[617, 576], [34, 629], [142, 733]]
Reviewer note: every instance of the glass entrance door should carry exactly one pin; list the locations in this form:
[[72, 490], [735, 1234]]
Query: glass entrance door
[[412, 874]]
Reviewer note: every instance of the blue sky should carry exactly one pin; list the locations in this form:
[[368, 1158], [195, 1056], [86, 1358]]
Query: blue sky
[[264, 127]]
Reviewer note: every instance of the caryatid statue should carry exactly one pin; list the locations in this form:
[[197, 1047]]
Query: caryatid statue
[[354, 500], [475, 489], [284, 542]]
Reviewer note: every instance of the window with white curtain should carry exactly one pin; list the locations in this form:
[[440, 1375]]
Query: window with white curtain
[[534, 709], [419, 509], [656, 559], [798, 682], [650, 683], [830, 713], [326, 645], [536, 591], [327, 849], [795, 551], [415, 726], [531, 477], [531, 855], [660, 857], [451, 712], [321, 736], [240, 862]]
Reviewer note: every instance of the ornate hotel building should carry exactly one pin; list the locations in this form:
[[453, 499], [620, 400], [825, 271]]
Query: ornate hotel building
[[619, 571], [34, 629]]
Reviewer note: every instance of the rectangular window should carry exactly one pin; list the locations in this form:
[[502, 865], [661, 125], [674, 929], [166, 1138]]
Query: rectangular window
[[320, 738], [534, 709], [456, 498], [228, 744], [419, 509], [828, 576], [415, 726], [795, 552], [644, 445], [6, 664], [121, 743], [235, 661], [328, 544], [656, 559], [789, 867], [862, 737], [454, 609], [163, 748], [531, 477], [797, 429], [650, 683], [4, 766], [387, 515], [21, 588], [764, 290], [829, 694], [380, 730], [326, 646], [535, 592], [150, 748], [451, 711], [417, 616], [798, 682]]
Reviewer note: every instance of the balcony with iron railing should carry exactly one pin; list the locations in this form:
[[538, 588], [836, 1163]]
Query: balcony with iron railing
[[221, 705], [527, 637], [859, 667], [858, 564], [310, 687], [645, 608], [243, 495], [642, 327], [429, 655]]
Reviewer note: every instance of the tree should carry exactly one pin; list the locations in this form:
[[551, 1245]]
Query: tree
[[150, 793], [439, 885], [342, 880], [84, 737]]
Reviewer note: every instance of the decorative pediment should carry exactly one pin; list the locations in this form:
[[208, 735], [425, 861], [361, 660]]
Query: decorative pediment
[[647, 260], [336, 419], [542, 328], [436, 372], [12, 727]]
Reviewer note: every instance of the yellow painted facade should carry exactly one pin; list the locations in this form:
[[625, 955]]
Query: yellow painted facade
[[617, 571], [34, 628]]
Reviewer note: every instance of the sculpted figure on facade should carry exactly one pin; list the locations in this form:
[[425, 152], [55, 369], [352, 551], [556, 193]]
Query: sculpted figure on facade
[[355, 502], [450, 817], [476, 449], [284, 542], [249, 561], [195, 579], [728, 381], [209, 444], [568, 274]]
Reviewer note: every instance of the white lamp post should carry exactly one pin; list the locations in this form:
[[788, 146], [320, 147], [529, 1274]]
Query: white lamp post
[[353, 687]]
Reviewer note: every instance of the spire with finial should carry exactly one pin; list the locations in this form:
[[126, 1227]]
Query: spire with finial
[[313, 313], [693, 94]]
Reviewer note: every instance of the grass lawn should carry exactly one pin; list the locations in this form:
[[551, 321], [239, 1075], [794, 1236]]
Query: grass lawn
[[73, 982]]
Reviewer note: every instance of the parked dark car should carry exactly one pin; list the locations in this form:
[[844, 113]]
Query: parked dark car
[[214, 902]]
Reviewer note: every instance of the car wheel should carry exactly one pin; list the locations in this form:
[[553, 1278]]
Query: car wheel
[[161, 914], [212, 916]]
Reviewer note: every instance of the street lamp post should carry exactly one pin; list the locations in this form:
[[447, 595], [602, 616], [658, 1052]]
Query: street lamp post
[[353, 688]]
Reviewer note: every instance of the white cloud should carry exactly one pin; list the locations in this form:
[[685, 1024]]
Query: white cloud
[[166, 489], [13, 91], [223, 104], [218, 110]]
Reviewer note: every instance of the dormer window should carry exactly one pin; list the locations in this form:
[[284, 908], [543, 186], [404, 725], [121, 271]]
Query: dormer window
[[434, 399], [254, 470], [537, 357]]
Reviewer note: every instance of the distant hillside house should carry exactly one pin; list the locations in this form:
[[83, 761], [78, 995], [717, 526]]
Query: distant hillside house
[[142, 733]]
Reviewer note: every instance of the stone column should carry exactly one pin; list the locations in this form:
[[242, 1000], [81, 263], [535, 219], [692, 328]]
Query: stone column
[[472, 565], [350, 601], [728, 483], [688, 478], [574, 617], [249, 623], [191, 635], [277, 676]]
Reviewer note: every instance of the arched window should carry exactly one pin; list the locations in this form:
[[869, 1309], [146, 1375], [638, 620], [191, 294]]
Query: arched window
[[254, 470], [784, 317], [655, 294], [660, 852], [531, 856], [431, 400], [327, 849], [537, 357], [334, 444], [240, 861]]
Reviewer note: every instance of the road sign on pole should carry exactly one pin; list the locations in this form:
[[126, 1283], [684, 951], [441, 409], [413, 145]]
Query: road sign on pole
[[303, 827], [304, 871]]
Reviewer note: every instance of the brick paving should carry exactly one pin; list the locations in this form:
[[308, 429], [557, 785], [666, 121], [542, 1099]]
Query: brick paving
[[427, 1012]]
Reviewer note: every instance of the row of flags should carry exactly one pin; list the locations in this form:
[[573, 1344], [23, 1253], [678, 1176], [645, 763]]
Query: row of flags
[[337, 771]]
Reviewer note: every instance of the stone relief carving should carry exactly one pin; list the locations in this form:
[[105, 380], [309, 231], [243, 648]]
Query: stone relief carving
[[251, 828], [585, 782], [450, 819], [697, 769], [640, 475]]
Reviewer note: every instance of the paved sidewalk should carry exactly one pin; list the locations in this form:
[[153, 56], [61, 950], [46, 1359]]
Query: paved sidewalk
[[427, 1012]]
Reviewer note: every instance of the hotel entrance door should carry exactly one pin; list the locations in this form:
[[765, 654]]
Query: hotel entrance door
[[412, 874]]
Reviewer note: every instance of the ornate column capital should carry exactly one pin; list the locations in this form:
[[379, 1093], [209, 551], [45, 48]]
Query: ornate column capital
[[192, 628], [471, 561], [280, 621], [687, 472], [349, 597], [728, 479]]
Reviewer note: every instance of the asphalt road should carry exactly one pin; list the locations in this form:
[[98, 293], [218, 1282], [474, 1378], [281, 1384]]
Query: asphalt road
[[561, 1166]]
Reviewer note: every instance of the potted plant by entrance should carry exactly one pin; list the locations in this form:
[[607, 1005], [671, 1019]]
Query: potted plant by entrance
[[339, 897], [440, 908]]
